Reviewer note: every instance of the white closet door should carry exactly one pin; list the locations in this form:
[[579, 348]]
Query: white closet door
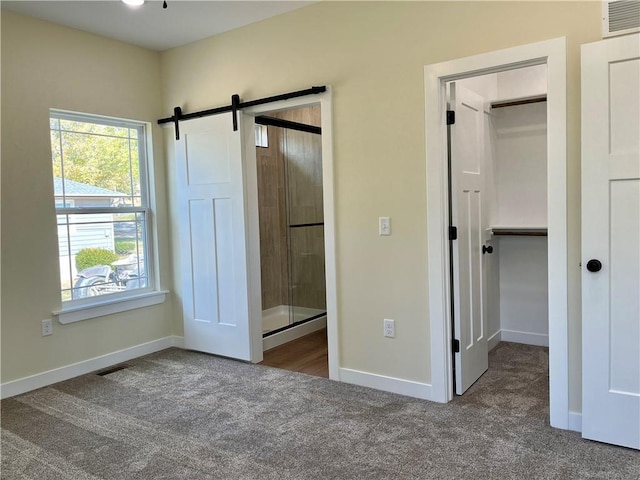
[[611, 241], [467, 204], [211, 201]]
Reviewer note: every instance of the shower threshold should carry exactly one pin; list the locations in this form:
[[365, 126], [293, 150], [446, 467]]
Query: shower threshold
[[280, 326]]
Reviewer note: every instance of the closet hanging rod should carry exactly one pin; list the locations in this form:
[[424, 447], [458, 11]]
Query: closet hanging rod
[[520, 231], [523, 101], [236, 105]]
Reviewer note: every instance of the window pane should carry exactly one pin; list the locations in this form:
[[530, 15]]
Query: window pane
[[102, 253], [56, 159], [131, 245], [66, 270], [96, 165], [99, 166], [94, 128]]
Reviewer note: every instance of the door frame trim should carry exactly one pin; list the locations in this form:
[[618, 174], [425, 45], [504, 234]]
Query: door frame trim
[[253, 232], [553, 54]]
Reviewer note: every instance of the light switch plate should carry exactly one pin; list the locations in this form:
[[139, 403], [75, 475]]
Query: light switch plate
[[384, 226]]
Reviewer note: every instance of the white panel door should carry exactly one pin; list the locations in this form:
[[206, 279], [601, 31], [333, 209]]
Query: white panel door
[[467, 207], [213, 237], [611, 241]]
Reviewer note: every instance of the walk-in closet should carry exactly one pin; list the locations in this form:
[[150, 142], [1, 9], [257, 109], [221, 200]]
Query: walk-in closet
[[514, 204]]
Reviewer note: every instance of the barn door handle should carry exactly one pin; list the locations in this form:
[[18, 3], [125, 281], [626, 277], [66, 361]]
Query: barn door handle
[[487, 249], [594, 265]]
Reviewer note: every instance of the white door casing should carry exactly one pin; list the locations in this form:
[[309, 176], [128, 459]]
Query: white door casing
[[468, 216], [611, 235], [211, 198], [251, 197], [553, 53]]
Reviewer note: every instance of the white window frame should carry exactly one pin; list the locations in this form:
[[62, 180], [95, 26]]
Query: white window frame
[[91, 307]]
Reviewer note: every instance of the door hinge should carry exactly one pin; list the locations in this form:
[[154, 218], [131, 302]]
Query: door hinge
[[455, 345], [451, 117], [453, 233]]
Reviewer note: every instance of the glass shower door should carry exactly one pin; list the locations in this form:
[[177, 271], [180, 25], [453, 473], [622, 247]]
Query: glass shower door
[[307, 284]]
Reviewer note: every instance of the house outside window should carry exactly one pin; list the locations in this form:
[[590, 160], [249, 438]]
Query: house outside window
[[102, 207]]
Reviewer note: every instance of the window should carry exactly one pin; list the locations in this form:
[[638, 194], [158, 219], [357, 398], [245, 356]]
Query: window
[[102, 207], [262, 137]]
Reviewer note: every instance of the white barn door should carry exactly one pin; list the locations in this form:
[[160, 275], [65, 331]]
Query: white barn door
[[211, 197], [467, 206], [611, 241]]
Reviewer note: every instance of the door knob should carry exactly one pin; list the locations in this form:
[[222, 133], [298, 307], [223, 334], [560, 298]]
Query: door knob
[[487, 249], [594, 265]]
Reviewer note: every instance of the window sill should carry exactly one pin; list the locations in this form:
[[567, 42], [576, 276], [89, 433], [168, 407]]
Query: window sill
[[78, 313]]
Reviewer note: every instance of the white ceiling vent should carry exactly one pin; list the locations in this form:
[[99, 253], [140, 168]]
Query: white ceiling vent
[[620, 17]]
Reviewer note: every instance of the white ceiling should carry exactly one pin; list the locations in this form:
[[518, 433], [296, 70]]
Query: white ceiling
[[150, 25]]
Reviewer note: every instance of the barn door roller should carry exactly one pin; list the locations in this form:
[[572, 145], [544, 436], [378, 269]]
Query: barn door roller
[[236, 105]]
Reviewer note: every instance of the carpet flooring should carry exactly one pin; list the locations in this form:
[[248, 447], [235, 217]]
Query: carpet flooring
[[183, 415]]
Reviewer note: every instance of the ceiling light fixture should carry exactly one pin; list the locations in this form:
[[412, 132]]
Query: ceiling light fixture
[[133, 3], [137, 3]]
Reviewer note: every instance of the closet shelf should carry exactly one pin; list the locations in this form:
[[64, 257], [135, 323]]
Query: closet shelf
[[534, 231]]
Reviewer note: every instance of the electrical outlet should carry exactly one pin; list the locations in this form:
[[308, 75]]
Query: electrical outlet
[[47, 327], [389, 328], [384, 226]]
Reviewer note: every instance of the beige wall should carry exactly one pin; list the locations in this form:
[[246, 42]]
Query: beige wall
[[46, 66], [372, 54]]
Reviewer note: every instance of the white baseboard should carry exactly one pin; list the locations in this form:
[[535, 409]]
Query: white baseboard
[[575, 422], [387, 384], [292, 333], [494, 340], [26, 384], [527, 338]]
